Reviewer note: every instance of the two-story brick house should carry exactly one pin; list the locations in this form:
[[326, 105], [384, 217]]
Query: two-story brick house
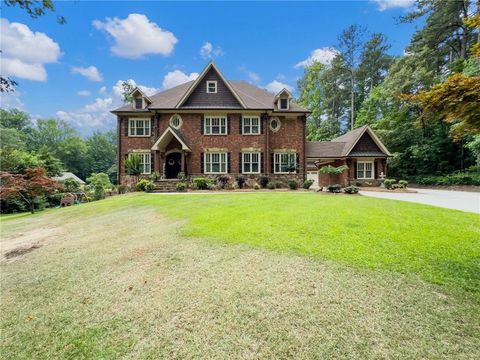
[[213, 126]]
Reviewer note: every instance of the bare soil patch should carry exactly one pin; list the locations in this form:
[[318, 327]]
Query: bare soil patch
[[23, 243]]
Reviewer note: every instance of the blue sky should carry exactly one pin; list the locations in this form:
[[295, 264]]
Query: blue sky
[[72, 71]]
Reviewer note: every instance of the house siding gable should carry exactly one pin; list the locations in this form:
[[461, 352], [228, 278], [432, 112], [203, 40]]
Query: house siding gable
[[223, 98], [366, 144]]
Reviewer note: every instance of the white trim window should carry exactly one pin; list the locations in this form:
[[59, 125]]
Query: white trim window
[[275, 124], [215, 125], [145, 161], [365, 170], [211, 87], [176, 121], [215, 162], [138, 127], [250, 125], [283, 103], [251, 163], [284, 163]]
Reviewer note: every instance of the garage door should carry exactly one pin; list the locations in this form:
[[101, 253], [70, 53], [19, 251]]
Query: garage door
[[313, 175]]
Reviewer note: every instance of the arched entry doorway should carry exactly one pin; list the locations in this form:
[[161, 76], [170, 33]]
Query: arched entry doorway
[[173, 165]]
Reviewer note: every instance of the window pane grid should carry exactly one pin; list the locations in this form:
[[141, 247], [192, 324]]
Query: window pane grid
[[251, 163], [251, 125], [216, 125], [365, 170], [285, 162], [139, 127], [215, 163]]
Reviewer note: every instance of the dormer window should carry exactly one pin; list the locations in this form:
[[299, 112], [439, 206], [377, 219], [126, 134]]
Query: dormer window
[[211, 87], [138, 103], [283, 104]]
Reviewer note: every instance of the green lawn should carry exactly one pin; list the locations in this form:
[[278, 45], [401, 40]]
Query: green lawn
[[255, 275]]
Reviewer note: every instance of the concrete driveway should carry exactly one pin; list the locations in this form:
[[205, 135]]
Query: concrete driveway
[[458, 200]]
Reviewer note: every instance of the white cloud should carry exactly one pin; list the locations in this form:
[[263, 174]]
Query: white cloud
[[136, 36], [24, 52], [390, 4], [177, 77], [91, 72], [117, 89], [11, 100], [92, 116], [208, 51], [102, 90], [84, 93], [276, 86], [323, 55]]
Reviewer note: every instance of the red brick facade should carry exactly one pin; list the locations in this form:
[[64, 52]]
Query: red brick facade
[[289, 137]]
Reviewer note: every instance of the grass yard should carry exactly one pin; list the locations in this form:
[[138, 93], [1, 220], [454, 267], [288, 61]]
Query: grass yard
[[255, 275]]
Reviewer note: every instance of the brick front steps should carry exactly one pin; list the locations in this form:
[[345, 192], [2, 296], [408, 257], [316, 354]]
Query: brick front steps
[[166, 185]]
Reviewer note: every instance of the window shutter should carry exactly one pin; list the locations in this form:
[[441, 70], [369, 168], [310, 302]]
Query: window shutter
[[355, 169], [228, 163], [229, 118], [272, 163], [201, 161], [297, 161], [152, 126], [126, 122], [240, 122], [262, 124], [262, 165], [375, 175], [201, 128], [240, 162], [152, 162]]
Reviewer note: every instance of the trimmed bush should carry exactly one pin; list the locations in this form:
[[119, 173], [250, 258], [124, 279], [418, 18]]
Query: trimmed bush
[[222, 181], [240, 181], [402, 184], [263, 181], [293, 184], [336, 188], [256, 187], [145, 185], [389, 183], [155, 176], [271, 185], [351, 189], [181, 186], [278, 184], [182, 176], [458, 178], [201, 183], [307, 183]]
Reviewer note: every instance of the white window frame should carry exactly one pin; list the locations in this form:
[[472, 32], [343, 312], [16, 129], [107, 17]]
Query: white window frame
[[250, 162], [180, 122], [208, 161], [145, 161], [214, 83], [278, 159], [208, 124], [132, 127], [364, 170], [249, 119], [280, 104], [135, 103], [278, 121]]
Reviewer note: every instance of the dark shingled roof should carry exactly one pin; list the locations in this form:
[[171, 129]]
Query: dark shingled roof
[[252, 96], [341, 146]]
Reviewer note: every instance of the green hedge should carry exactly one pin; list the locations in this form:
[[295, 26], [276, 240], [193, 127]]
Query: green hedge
[[450, 179]]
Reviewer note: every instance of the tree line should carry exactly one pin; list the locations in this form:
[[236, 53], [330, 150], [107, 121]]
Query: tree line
[[424, 105], [54, 145]]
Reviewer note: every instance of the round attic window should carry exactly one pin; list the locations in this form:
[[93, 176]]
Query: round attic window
[[275, 124], [176, 121]]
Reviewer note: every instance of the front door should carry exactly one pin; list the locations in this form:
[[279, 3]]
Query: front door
[[173, 165]]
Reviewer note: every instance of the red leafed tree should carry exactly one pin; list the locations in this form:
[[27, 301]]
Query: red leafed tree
[[27, 186]]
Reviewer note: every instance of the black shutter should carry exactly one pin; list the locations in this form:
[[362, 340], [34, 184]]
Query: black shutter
[[272, 164], [125, 122], [297, 161], [240, 122], [152, 162], [229, 120], [375, 176], [355, 169], [152, 126], [228, 163], [262, 165], [201, 127], [262, 124], [240, 162], [201, 161]]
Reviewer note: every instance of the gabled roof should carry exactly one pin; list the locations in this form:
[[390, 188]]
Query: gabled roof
[[194, 85], [250, 97], [167, 136], [342, 146], [283, 91], [137, 90]]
